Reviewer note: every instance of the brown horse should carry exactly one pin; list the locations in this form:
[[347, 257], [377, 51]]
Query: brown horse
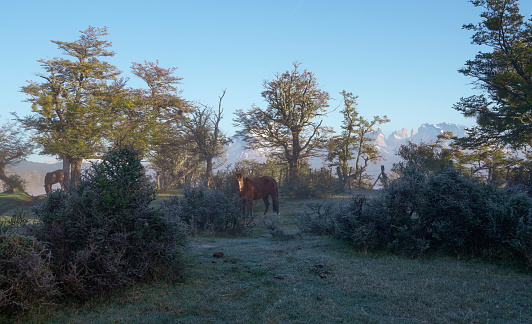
[[54, 177], [258, 188]]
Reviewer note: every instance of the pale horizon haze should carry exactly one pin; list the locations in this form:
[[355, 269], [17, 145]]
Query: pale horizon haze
[[399, 57]]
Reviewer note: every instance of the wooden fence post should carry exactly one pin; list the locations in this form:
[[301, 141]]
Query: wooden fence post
[[349, 177], [384, 176], [339, 173]]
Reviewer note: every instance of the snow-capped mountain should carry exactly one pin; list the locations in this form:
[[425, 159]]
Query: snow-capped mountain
[[425, 133], [235, 152]]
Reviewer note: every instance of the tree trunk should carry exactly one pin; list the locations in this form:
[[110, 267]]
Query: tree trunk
[[66, 168], [75, 171], [294, 162], [208, 173]]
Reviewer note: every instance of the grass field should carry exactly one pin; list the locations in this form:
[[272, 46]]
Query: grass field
[[316, 280], [10, 202], [295, 278]]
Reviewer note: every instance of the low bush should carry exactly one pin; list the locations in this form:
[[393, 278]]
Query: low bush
[[318, 218], [444, 213], [210, 212], [26, 281], [103, 234]]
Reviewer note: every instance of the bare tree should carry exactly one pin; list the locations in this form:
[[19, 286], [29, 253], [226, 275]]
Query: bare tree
[[203, 127]]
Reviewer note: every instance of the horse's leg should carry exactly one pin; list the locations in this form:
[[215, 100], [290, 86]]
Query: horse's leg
[[244, 205], [251, 207], [266, 203], [275, 202]]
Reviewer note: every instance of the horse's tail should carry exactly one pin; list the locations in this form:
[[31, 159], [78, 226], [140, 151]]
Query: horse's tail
[[275, 199]]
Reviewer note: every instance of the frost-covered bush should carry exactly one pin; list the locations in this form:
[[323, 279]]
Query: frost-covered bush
[[103, 234], [444, 213], [26, 281], [210, 212]]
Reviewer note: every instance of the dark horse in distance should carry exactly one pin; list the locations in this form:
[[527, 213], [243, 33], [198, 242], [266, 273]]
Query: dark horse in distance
[[253, 189], [54, 177]]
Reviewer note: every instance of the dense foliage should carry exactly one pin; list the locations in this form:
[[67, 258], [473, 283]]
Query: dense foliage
[[503, 74], [81, 103], [443, 213], [103, 234]]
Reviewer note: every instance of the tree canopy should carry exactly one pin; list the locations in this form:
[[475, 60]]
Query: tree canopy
[[289, 125], [81, 106], [69, 120], [504, 75]]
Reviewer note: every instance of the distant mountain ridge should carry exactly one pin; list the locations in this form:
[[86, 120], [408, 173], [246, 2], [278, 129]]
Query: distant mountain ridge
[[28, 166], [388, 146], [426, 133], [34, 172]]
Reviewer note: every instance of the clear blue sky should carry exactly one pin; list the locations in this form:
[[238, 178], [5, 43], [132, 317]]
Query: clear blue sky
[[400, 57]]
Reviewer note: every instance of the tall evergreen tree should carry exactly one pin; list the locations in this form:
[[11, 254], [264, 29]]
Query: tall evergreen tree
[[504, 74]]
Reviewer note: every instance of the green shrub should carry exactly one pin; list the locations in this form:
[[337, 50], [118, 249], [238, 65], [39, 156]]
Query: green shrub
[[103, 234], [26, 281], [210, 212]]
